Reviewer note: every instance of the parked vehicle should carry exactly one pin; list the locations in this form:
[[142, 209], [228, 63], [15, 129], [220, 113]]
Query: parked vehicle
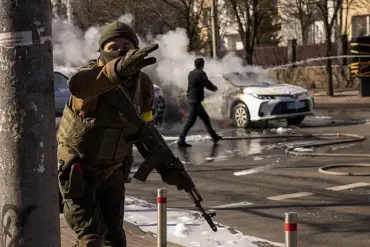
[[252, 97], [61, 92]]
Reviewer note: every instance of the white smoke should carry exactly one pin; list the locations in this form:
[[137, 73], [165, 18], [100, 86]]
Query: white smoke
[[174, 62], [74, 48], [128, 19]]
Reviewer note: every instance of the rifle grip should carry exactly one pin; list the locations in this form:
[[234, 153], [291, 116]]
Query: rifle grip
[[146, 168], [140, 176]]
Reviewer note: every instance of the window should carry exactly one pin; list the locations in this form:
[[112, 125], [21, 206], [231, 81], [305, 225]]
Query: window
[[360, 25], [311, 34]]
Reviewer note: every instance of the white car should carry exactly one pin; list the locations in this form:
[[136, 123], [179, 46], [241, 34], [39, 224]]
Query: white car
[[252, 97]]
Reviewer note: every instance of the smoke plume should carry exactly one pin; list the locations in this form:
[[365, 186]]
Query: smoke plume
[[73, 48]]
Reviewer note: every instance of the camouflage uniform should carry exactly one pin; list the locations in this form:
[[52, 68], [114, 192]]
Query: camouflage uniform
[[94, 159]]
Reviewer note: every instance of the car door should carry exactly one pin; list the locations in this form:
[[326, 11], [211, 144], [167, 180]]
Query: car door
[[61, 92], [230, 95]]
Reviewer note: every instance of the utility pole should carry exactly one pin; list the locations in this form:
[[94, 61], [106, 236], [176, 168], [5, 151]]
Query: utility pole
[[69, 11], [29, 210], [214, 23]]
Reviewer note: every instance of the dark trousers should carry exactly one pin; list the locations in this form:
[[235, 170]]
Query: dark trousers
[[158, 121], [195, 109], [97, 211]]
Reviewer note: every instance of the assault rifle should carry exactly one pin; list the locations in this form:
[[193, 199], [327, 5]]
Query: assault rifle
[[154, 149]]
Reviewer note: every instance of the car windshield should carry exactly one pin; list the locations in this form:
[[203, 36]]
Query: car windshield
[[249, 79]]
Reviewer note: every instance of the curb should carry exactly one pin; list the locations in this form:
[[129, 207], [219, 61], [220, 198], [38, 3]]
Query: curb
[[134, 235]]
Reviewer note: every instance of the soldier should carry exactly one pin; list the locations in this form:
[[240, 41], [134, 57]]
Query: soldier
[[197, 81], [94, 158]]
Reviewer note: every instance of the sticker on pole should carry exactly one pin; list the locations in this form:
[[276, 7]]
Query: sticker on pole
[[10, 40]]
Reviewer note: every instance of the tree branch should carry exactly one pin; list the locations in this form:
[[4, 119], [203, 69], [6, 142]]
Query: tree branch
[[177, 8], [163, 18]]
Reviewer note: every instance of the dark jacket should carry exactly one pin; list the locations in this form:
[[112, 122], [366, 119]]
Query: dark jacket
[[197, 81]]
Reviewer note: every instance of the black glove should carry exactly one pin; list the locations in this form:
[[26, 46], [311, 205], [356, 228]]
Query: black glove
[[135, 60], [179, 178]]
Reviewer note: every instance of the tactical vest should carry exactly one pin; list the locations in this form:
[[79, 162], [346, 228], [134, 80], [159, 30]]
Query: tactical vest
[[99, 141]]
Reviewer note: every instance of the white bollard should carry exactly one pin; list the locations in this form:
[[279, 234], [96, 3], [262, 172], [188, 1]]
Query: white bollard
[[291, 229], [162, 218]]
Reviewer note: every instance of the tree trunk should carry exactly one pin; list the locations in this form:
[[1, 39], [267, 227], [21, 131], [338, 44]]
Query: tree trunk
[[28, 186], [192, 42], [248, 58], [248, 52]]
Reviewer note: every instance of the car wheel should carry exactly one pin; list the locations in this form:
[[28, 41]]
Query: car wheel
[[295, 120], [241, 117]]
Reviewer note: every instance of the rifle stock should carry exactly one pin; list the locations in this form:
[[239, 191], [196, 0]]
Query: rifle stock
[[154, 149]]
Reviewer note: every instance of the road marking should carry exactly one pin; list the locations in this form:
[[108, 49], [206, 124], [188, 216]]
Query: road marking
[[250, 171], [348, 186], [288, 196], [234, 205]]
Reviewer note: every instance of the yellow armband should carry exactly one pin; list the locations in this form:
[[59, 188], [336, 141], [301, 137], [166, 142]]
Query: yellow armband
[[147, 116]]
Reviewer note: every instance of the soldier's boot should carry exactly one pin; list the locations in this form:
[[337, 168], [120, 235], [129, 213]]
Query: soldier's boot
[[91, 241]]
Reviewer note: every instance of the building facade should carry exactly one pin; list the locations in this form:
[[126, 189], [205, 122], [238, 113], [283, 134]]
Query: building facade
[[353, 20], [356, 19]]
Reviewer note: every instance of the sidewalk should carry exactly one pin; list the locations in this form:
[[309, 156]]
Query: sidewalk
[[345, 97], [135, 236]]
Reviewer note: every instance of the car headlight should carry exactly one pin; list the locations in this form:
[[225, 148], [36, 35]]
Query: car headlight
[[304, 94], [263, 96]]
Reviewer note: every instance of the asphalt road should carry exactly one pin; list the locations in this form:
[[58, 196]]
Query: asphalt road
[[264, 184]]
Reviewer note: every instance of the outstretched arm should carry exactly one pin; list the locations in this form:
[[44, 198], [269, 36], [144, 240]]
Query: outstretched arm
[[90, 81], [207, 83]]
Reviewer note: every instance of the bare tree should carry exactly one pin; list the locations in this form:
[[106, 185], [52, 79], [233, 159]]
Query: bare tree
[[224, 23], [226, 18], [330, 10], [335, 15], [181, 13], [87, 13], [253, 18], [155, 17], [57, 6], [302, 11]]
